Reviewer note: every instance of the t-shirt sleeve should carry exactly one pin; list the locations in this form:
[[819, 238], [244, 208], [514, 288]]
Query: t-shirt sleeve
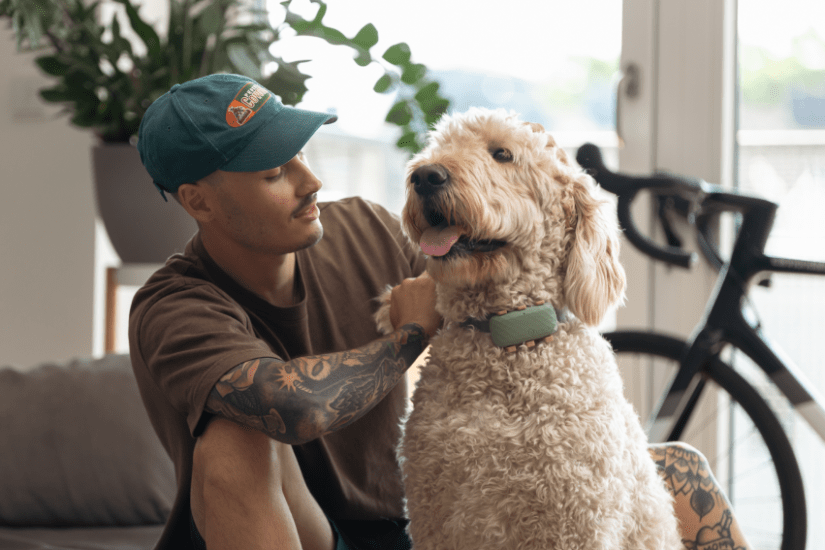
[[189, 339]]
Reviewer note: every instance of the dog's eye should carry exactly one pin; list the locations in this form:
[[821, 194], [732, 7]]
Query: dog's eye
[[503, 155]]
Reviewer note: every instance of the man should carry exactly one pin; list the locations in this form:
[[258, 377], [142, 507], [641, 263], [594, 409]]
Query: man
[[237, 344], [255, 351]]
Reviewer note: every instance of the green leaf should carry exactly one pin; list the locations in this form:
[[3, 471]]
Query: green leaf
[[383, 84], [367, 37], [115, 28], [434, 113], [322, 11], [400, 114], [362, 59], [51, 65], [83, 119], [427, 95], [407, 140], [56, 95], [399, 54], [119, 44], [243, 62], [413, 73], [288, 81], [145, 31], [301, 25], [333, 36], [431, 103], [211, 19], [298, 24]]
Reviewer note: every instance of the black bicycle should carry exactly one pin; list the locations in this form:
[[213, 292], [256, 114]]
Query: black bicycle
[[695, 377]]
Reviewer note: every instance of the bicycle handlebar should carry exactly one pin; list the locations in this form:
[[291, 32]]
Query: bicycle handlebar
[[626, 187], [701, 203]]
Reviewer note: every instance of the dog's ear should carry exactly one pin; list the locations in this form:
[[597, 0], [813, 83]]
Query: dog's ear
[[595, 280]]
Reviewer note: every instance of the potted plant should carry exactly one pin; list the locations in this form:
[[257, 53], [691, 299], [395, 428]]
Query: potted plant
[[106, 83]]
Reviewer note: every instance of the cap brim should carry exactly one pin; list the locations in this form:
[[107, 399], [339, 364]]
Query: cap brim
[[279, 140]]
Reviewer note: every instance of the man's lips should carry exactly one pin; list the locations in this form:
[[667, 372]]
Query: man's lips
[[308, 208], [308, 212]]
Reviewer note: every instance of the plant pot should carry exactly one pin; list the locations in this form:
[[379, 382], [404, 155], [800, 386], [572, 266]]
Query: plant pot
[[143, 227]]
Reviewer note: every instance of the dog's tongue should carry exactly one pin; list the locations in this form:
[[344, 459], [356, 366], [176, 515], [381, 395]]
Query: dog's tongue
[[437, 241]]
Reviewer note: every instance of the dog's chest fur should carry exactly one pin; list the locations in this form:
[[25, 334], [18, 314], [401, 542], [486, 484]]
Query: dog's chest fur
[[525, 431], [528, 403]]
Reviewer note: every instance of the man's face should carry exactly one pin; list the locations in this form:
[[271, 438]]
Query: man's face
[[269, 212]]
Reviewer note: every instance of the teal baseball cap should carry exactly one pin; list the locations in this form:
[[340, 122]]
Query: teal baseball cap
[[220, 122]]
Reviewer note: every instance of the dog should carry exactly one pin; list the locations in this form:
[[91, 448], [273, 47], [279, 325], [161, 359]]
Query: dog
[[520, 445]]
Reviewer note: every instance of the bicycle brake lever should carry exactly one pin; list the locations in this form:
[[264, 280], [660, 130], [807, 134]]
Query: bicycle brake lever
[[665, 205]]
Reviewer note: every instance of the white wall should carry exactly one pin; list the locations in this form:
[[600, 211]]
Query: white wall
[[47, 228]]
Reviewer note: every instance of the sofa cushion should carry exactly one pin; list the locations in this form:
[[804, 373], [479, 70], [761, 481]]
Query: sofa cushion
[[78, 448]]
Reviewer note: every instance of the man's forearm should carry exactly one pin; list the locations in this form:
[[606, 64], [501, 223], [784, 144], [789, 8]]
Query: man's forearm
[[307, 397]]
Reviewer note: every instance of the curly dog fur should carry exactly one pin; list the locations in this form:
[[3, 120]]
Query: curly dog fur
[[536, 448]]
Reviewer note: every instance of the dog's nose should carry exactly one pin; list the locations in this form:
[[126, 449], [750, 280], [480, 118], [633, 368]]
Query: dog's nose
[[429, 178]]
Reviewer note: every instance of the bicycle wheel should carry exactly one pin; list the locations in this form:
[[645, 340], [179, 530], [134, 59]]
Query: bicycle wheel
[[748, 451]]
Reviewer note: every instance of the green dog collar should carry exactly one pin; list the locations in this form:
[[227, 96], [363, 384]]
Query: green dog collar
[[526, 325]]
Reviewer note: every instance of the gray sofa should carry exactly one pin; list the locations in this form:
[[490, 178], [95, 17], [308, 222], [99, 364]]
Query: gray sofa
[[80, 466]]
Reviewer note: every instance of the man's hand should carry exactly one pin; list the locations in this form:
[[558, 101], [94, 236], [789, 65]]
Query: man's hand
[[413, 301]]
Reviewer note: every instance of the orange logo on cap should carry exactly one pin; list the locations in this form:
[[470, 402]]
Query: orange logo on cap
[[247, 102]]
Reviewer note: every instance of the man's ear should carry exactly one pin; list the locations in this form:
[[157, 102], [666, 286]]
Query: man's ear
[[196, 199]]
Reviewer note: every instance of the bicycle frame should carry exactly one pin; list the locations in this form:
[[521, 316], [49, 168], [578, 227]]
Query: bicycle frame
[[724, 323]]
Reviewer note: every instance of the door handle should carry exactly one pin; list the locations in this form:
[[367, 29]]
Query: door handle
[[629, 84]]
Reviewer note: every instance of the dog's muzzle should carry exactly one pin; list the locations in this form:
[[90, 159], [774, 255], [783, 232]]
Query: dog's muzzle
[[429, 179], [443, 239]]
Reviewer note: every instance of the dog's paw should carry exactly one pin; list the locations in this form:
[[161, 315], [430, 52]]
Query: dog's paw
[[382, 316]]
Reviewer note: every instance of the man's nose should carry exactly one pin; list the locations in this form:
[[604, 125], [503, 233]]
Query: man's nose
[[309, 182]]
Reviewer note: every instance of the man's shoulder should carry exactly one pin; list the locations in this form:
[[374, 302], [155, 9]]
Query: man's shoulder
[[183, 280]]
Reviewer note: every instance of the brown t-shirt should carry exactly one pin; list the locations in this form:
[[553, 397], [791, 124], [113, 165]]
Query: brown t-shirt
[[191, 323]]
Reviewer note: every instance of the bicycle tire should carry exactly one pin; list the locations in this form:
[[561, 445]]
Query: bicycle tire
[[794, 529]]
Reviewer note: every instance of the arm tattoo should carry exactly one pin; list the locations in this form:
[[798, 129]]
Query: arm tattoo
[[307, 397], [687, 474], [715, 536]]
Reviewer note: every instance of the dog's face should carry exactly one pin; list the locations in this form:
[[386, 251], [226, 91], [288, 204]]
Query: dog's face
[[493, 200]]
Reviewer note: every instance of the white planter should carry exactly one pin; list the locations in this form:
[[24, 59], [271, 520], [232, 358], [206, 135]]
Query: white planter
[[142, 227]]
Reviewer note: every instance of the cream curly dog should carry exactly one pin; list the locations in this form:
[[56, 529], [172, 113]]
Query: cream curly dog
[[525, 446]]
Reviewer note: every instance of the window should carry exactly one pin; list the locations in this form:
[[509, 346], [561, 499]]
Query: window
[[687, 120], [554, 63], [781, 157]]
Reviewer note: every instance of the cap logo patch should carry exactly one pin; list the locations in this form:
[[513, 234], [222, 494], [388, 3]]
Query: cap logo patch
[[247, 102]]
